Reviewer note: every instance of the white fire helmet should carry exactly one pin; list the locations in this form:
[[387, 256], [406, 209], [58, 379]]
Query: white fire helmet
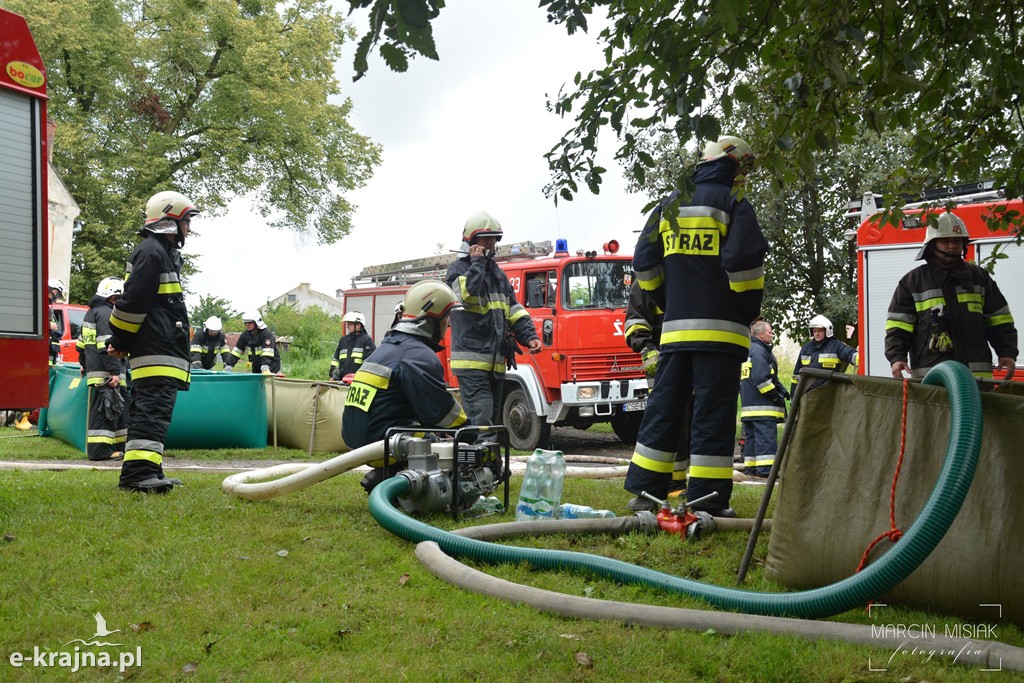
[[254, 317], [56, 283], [425, 309], [354, 317], [947, 224], [213, 324], [164, 206], [822, 322], [110, 286], [728, 146], [481, 224]]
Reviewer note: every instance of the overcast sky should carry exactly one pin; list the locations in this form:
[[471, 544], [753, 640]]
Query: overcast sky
[[465, 134]]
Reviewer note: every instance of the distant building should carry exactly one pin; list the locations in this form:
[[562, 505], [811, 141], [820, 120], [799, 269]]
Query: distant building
[[302, 297], [63, 213]]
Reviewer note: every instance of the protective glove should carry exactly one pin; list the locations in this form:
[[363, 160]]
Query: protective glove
[[335, 374], [266, 370], [650, 357], [197, 364]]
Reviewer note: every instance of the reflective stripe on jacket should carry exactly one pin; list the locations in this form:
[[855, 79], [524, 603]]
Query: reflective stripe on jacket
[[761, 393], [489, 305], [150, 320], [964, 303], [704, 266]]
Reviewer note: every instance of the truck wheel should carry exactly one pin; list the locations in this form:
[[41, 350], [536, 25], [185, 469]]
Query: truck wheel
[[526, 430], [627, 425]]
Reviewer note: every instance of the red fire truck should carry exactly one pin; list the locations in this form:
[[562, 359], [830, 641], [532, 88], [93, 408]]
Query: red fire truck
[[886, 251], [24, 320], [585, 373]]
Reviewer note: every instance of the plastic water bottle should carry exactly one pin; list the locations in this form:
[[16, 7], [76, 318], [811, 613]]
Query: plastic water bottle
[[542, 486], [573, 511], [487, 506]]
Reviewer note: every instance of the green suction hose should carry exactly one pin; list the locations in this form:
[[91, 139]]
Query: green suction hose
[[903, 558]]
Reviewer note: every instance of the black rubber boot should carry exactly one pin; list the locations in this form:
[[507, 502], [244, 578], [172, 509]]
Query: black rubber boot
[[152, 485]]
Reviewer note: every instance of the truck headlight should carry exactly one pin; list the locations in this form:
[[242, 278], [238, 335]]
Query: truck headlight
[[587, 393]]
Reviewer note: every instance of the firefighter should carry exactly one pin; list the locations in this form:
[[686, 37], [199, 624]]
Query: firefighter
[[402, 383], [948, 309], [258, 343], [643, 328], [353, 348], [209, 346], [149, 325], [762, 401], [105, 376], [704, 266], [823, 351], [56, 290], [486, 331]]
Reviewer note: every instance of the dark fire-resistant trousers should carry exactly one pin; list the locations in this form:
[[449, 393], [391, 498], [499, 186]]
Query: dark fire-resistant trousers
[[153, 403], [481, 394], [760, 440], [713, 379], [108, 421]]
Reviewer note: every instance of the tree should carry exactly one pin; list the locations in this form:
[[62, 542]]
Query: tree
[[947, 71], [210, 306], [213, 98]]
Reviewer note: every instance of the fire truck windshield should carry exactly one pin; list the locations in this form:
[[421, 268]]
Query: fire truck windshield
[[596, 284]]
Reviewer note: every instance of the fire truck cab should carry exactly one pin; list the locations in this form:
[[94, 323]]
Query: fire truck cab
[[585, 372], [24, 322], [886, 251]]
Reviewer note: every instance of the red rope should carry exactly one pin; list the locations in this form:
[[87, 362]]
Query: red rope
[[893, 534]]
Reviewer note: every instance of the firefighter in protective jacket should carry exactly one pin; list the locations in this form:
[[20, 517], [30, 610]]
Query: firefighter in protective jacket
[[402, 384], [490, 324], [762, 401], [259, 343], [208, 344], [149, 324], [105, 376], [703, 263], [823, 351], [948, 309], [353, 348]]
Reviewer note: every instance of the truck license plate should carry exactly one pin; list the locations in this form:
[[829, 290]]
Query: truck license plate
[[636, 405]]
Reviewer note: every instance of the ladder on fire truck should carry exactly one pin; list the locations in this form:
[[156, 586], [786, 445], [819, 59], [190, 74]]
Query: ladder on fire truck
[[413, 270], [867, 206]]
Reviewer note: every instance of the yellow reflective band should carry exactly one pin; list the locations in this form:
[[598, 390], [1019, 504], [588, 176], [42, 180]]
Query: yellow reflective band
[[745, 370], [928, 304], [476, 365], [765, 462], [999, 320], [896, 324], [360, 396], [762, 413], [169, 288], [520, 314], [366, 377], [652, 465], [971, 297], [747, 285], [124, 325], [152, 457], [679, 475], [710, 472], [717, 336], [653, 283], [103, 439], [160, 371]]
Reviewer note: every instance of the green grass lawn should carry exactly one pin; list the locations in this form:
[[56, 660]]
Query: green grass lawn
[[197, 579]]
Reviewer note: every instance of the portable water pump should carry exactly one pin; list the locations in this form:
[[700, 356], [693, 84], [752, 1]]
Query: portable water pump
[[451, 473]]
